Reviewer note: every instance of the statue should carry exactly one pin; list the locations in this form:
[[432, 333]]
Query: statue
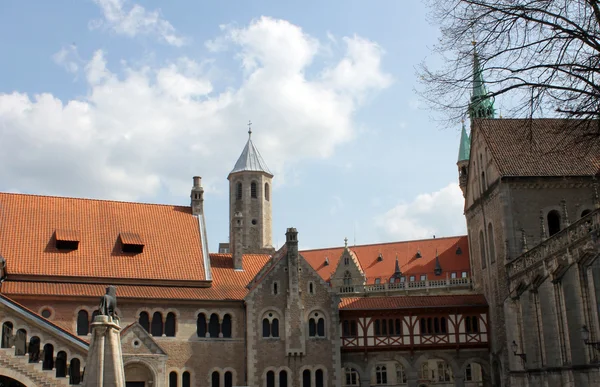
[[108, 303]]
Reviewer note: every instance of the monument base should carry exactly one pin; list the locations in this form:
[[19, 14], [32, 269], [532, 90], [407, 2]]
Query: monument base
[[104, 366]]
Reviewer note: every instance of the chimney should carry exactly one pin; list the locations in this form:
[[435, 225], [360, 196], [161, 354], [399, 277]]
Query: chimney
[[197, 197], [237, 245], [291, 241]]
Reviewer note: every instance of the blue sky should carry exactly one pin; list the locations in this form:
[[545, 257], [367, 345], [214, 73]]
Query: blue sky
[[128, 100]]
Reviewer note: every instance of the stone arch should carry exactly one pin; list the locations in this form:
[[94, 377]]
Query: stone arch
[[408, 367], [191, 374], [19, 377], [485, 365], [262, 312], [210, 374], [233, 375], [361, 372], [456, 370], [137, 368], [326, 320]]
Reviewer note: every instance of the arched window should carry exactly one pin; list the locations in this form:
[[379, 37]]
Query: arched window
[[346, 260], [48, 362], [253, 193], [215, 379], [316, 325], [186, 380], [275, 327], [157, 324], [267, 194], [312, 327], [34, 349], [425, 371], [347, 278], [321, 327], [319, 378], [468, 373], [61, 364], [270, 325], [482, 250], [553, 222], [20, 342], [226, 326], [283, 379], [400, 374], [213, 325], [201, 325], [380, 374], [585, 212], [491, 243], [173, 379], [238, 191], [444, 372], [170, 325], [145, 321], [7, 335], [228, 379], [352, 378], [306, 378], [83, 323], [75, 371], [270, 379], [266, 327]]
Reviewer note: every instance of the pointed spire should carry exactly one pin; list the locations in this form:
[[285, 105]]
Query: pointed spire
[[481, 105], [438, 267], [464, 149], [397, 271], [250, 159]]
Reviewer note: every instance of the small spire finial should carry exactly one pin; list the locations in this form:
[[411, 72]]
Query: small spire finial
[[249, 128], [345, 242]]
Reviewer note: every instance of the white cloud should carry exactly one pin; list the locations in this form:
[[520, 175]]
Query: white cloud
[[68, 58], [145, 129], [439, 213], [135, 21]]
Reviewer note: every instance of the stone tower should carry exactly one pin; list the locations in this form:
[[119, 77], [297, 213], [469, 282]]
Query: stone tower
[[250, 184], [464, 152]]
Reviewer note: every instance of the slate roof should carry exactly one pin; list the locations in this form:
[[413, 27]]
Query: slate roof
[[251, 160], [407, 259], [541, 147], [380, 303]]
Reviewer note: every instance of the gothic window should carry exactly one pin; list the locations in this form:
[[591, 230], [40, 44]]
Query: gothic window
[[228, 379], [144, 321], [283, 379], [270, 325], [157, 324], [444, 372], [347, 278], [482, 250], [253, 193], [352, 378], [61, 364], [170, 325], [201, 325], [186, 380], [346, 260], [238, 191], [316, 325], [173, 379], [267, 194], [215, 379], [468, 373], [380, 375], [83, 323], [306, 378], [319, 378], [270, 379], [226, 326], [400, 374], [213, 325], [491, 243], [553, 222]]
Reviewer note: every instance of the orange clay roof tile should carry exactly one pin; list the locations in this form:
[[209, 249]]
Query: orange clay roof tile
[[173, 249], [450, 261], [376, 303]]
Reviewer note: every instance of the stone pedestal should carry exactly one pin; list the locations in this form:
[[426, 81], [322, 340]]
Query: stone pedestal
[[104, 366]]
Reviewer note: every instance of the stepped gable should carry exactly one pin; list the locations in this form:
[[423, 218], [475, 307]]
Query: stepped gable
[[453, 257], [64, 237]]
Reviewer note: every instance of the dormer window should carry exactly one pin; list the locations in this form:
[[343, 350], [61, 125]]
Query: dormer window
[[326, 261], [131, 243], [379, 257], [418, 254], [458, 250], [67, 240]]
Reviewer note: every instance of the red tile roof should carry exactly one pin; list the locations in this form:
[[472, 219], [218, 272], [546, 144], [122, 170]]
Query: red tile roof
[[542, 147], [405, 302], [406, 252], [173, 249], [131, 238], [67, 235], [228, 284]]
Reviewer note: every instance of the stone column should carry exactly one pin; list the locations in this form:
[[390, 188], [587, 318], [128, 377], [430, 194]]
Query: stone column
[[104, 366]]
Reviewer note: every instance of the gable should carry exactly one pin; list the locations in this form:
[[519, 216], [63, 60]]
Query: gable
[[135, 340], [348, 264]]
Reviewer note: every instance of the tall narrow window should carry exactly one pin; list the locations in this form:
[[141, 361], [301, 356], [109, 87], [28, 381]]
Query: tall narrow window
[[312, 327], [7, 335], [346, 328], [400, 374], [482, 250], [83, 323], [491, 243], [253, 193], [381, 375], [306, 378], [275, 327], [228, 379], [75, 371], [266, 327], [319, 378], [283, 379], [270, 379], [201, 325], [275, 288], [226, 326], [48, 361], [377, 327], [215, 379], [20, 342], [553, 222], [61, 364], [347, 278], [238, 191], [170, 325], [157, 324], [321, 327], [144, 321], [186, 380], [468, 373], [213, 325], [173, 379], [267, 194], [352, 378]]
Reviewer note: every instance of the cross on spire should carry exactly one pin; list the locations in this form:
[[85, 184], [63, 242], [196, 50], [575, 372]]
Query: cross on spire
[[249, 128]]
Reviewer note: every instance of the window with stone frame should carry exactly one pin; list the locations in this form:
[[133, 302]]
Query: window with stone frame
[[83, 323], [351, 377], [347, 278], [424, 371], [173, 379], [400, 374], [316, 325], [444, 372], [553, 218], [319, 378], [238, 191], [381, 376], [283, 378], [270, 325], [270, 379], [201, 325]]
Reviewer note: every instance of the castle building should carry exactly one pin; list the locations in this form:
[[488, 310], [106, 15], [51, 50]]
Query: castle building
[[513, 303]]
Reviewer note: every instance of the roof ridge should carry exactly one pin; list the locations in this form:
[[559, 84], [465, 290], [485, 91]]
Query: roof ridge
[[93, 199], [385, 243]]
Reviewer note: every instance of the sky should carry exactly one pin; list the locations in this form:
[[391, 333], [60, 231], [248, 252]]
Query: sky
[[128, 100]]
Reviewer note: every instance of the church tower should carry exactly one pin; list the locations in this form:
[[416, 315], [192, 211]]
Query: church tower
[[481, 105], [250, 229], [464, 152]]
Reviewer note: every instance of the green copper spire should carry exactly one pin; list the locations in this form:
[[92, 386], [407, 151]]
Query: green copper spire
[[464, 150], [481, 105]]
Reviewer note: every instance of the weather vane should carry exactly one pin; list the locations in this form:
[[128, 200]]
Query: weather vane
[[249, 128]]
